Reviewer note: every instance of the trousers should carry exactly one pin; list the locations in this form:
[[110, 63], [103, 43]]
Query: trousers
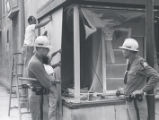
[[35, 102], [49, 106], [27, 53], [53, 99], [142, 109]]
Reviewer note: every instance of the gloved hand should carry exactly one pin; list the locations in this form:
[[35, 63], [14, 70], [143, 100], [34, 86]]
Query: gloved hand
[[138, 94], [120, 91]]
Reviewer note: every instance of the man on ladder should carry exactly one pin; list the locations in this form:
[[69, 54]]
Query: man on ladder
[[44, 83]]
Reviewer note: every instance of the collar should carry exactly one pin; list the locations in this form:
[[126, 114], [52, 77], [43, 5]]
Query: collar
[[133, 58]]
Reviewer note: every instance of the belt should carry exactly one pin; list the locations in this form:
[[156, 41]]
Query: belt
[[130, 98], [39, 90]]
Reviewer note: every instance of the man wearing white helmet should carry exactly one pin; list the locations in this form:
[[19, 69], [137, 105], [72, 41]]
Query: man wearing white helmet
[[45, 83], [135, 80], [30, 36]]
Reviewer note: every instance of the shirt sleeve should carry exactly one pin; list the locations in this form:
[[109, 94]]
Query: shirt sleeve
[[39, 72], [151, 74]]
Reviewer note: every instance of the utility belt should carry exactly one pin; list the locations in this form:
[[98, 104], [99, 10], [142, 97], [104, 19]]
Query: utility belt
[[40, 90], [130, 98]]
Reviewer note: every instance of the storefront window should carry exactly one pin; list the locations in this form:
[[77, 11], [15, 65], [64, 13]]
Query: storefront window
[[102, 31]]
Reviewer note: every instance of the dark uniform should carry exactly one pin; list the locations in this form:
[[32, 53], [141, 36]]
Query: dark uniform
[[36, 70], [136, 77]]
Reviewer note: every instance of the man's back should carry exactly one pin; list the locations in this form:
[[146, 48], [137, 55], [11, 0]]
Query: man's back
[[36, 70]]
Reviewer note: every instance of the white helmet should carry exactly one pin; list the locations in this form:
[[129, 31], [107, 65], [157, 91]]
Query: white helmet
[[42, 41], [130, 44]]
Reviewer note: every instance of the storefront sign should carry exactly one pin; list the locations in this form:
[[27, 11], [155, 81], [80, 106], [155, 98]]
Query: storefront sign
[[49, 6]]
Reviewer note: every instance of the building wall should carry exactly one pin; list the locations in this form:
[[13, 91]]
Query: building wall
[[5, 38]]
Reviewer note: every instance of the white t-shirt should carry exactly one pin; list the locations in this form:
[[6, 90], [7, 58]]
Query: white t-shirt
[[30, 35]]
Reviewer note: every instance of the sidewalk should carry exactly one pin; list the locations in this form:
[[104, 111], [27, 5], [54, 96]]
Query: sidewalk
[[4, 101], [4, 105]]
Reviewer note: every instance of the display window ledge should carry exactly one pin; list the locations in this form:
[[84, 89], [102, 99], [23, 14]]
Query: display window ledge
[[72, 103]]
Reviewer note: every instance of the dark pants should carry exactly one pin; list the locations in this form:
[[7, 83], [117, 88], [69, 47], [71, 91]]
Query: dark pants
[[28, 53]]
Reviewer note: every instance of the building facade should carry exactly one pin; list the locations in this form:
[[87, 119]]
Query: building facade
[[88, 32]]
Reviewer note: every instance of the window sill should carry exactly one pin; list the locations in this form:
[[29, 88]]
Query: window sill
[[72, 104]]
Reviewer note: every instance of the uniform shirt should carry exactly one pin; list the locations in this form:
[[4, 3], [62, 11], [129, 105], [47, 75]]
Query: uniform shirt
[[138, 75], [30, 35], [36, 70]]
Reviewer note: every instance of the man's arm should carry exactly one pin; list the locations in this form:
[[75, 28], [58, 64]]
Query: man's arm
[[56, 65], [152, 75], [39, 72], [43, 23], [53, 54]]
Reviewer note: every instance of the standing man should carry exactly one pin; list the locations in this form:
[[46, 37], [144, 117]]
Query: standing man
[[44, 83], [139, 78], [30, 36]]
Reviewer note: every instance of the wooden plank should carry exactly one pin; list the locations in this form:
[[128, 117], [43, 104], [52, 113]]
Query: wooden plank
[[104, 77], [150, 51], [135, 2], [76, 53], [105, 112]]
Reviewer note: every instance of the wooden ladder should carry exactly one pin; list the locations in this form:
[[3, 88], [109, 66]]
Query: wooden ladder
[[18, 90]]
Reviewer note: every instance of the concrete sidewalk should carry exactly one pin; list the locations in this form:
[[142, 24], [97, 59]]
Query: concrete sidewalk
[[4, 105]]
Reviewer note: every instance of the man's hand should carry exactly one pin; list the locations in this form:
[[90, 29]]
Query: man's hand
[[120, 91], [45, 33], [59, 51]]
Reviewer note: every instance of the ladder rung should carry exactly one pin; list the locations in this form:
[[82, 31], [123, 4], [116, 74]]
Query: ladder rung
[[12, 92], [14, 97], [25, 112], [17, 53], [24, 96], [22, 85], [23, 100], [14, 107], [18, 74], [20, 63]]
